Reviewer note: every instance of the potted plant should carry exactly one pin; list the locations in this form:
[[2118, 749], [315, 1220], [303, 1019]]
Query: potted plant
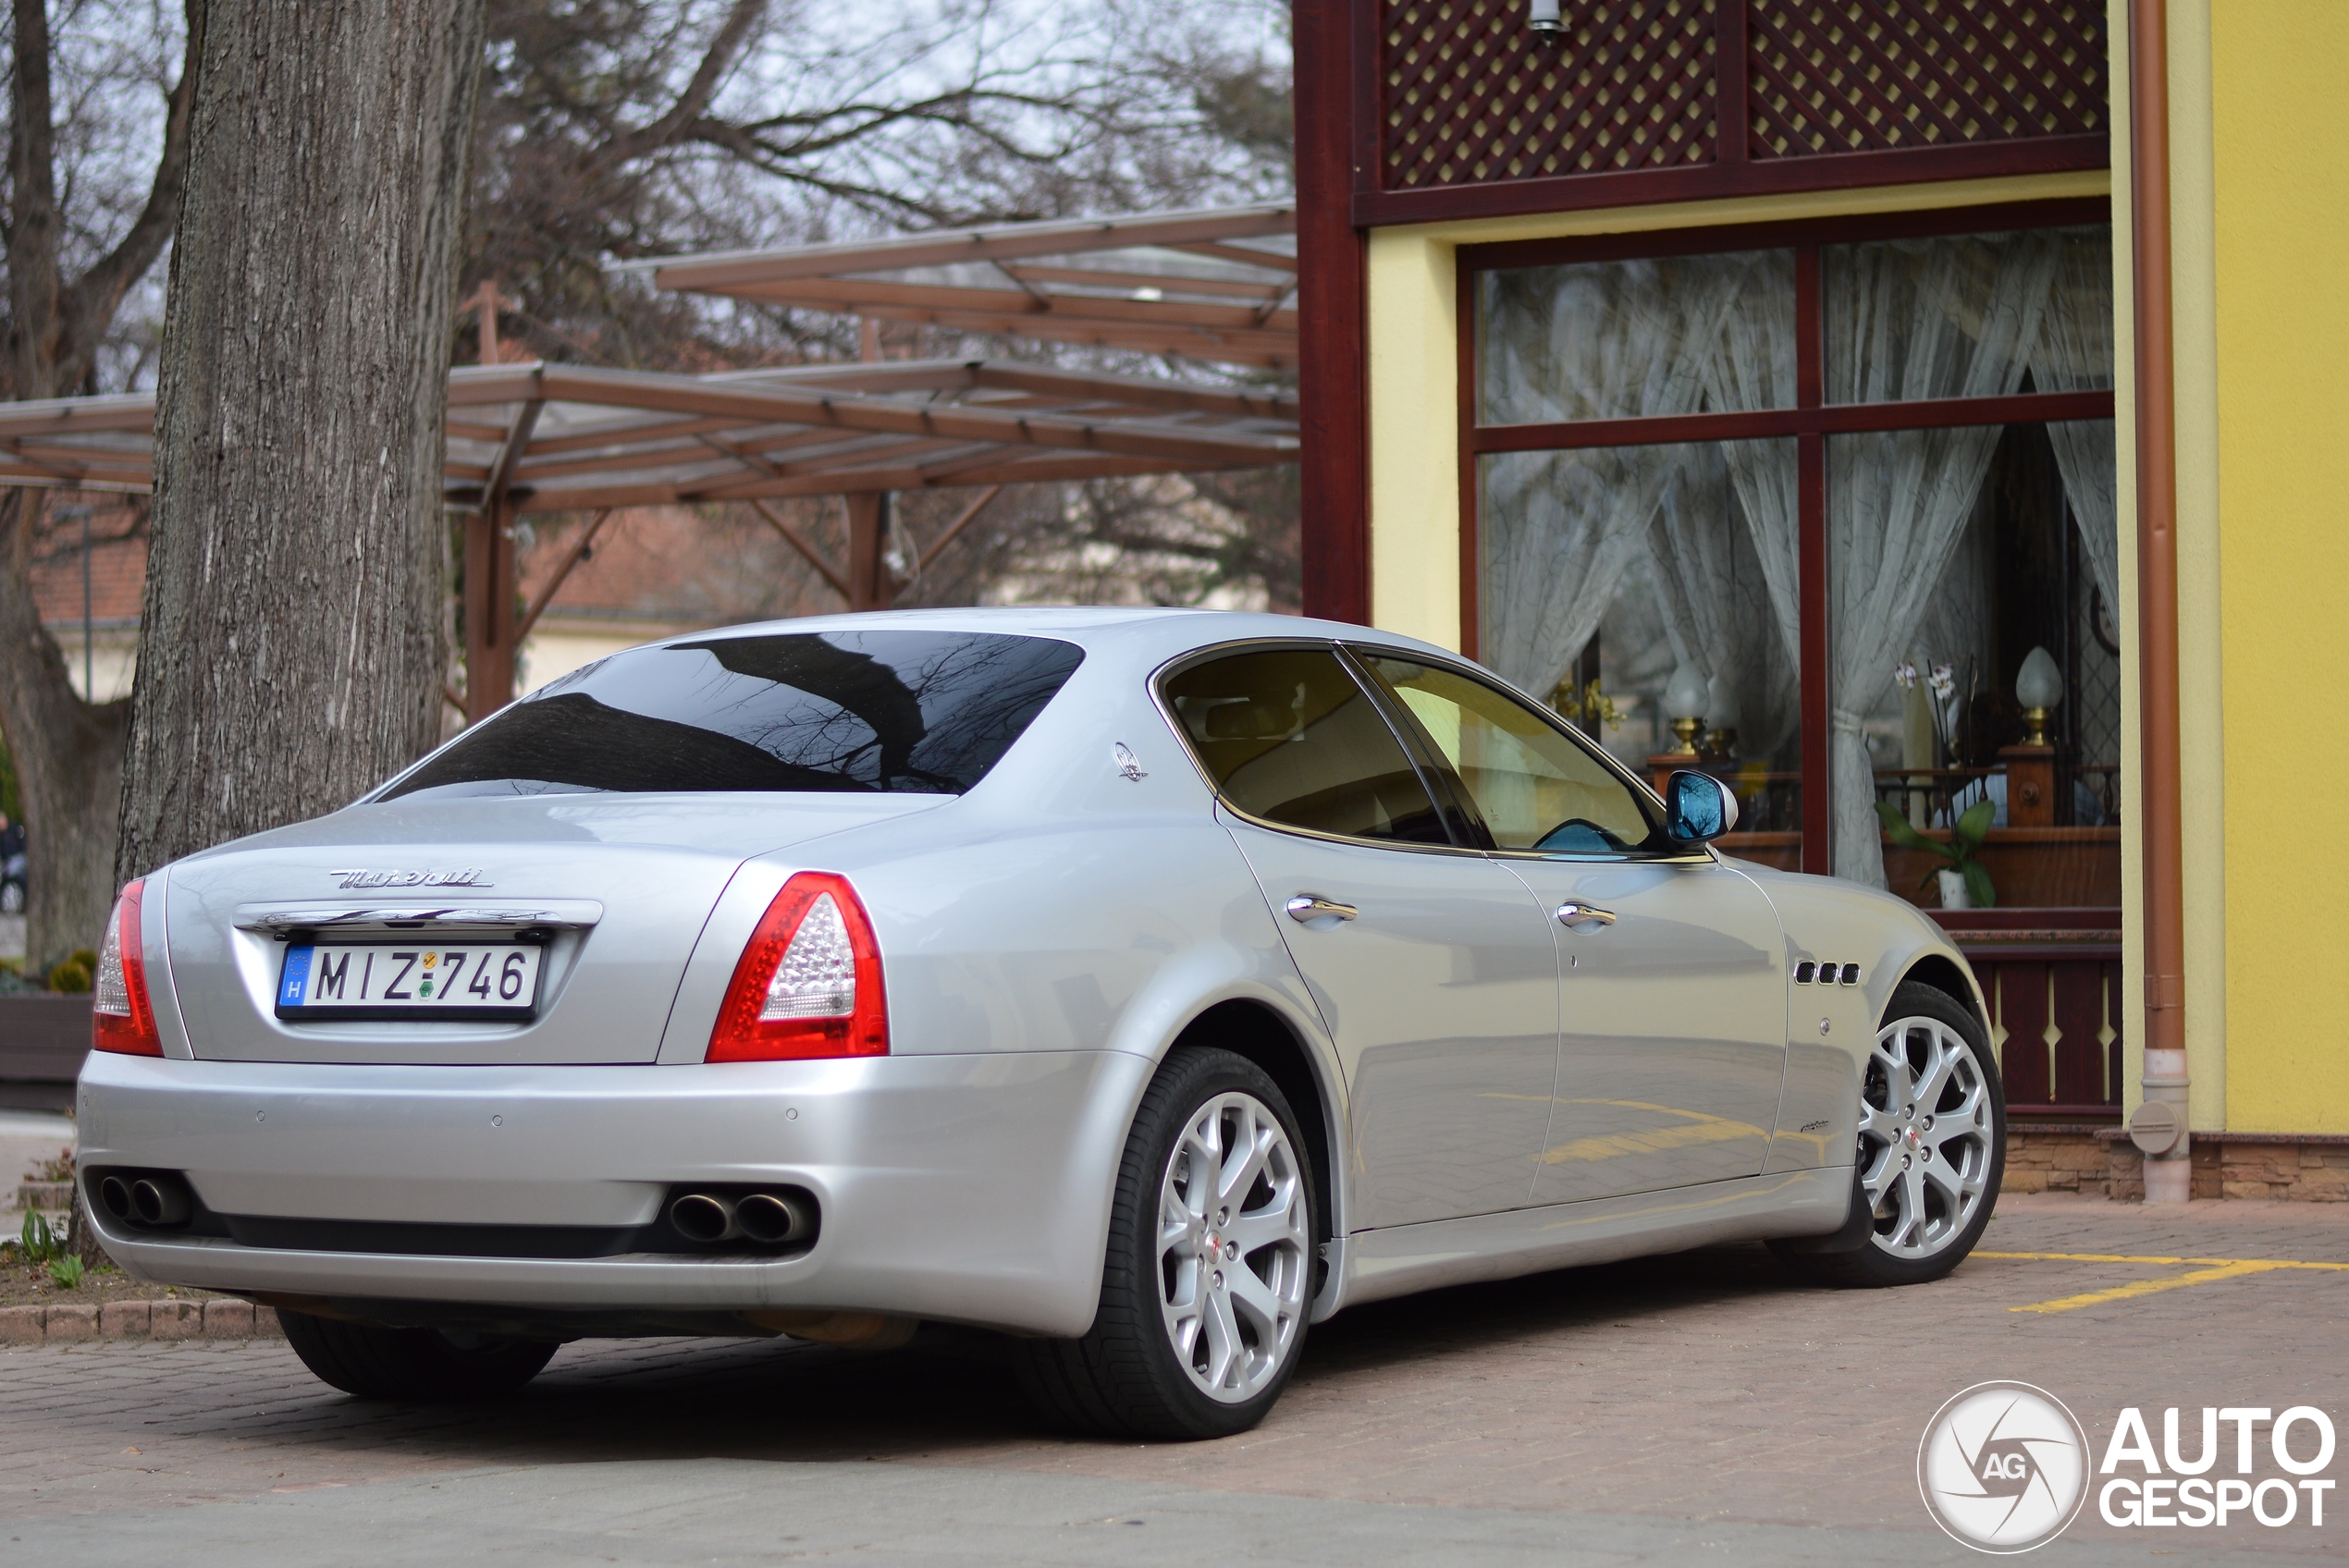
[[1966, 876]]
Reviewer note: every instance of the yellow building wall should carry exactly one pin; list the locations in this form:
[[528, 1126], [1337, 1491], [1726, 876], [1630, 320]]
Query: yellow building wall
[[2280, 139], [2202, 718], [2259, 195]]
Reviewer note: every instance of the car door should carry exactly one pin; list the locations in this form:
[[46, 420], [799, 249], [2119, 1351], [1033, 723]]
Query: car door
[[1672, 1012], [1433, 967]]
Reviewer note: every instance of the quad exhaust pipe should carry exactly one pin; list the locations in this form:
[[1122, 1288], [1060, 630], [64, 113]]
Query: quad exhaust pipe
[[764, 1218]]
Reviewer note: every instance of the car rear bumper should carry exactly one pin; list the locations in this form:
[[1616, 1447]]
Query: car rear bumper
[[970, 1189]]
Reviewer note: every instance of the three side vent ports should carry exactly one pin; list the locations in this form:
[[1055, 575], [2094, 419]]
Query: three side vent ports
[[1808, 974]]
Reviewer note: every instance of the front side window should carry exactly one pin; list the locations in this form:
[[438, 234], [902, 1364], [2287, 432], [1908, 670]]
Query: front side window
[[1535, 788], [1290, 737], [891, 712]]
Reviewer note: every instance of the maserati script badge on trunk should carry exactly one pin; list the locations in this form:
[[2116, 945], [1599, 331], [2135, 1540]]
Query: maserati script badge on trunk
[[472, 876]]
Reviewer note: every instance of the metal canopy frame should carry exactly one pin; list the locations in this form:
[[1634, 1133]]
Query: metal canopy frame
[[1216, 284], [567, 438], [534, 437]]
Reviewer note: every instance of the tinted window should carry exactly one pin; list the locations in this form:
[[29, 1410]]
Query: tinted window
[[1534, 786], [1290, 737], [919, 712]]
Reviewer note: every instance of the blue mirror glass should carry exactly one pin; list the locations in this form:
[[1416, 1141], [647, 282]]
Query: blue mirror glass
[[1701, 807]]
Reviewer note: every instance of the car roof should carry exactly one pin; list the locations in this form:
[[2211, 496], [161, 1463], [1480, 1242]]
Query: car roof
[[1140, 633]]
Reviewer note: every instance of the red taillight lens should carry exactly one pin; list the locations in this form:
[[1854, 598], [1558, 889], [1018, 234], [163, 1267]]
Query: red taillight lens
[[810, 984], [120, 1019]]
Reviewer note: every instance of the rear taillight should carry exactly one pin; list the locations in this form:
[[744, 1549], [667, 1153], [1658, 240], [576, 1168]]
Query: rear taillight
[[810, 984], [120, 1019]]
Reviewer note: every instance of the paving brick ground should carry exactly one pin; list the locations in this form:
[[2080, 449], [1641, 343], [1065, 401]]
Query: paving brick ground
[[1703, 1388]]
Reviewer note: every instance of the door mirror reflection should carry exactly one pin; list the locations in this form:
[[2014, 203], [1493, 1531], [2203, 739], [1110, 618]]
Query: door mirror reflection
[[1700, 807]]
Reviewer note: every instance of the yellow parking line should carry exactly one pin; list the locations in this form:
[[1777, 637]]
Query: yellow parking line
[[2147, 1287], [2209, 1270], [2119, 1257]]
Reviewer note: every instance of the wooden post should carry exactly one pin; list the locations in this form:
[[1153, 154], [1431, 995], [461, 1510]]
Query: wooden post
[[490, 586], [868, 584], [1333, 312], [485, 306]]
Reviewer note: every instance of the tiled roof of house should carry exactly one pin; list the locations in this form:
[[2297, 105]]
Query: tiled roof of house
[[663, 564], [671, 565], [117, 572]]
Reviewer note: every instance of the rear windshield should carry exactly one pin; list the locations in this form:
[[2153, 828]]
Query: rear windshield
[[904, 712]]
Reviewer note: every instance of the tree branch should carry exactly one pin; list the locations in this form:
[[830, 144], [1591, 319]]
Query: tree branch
[[35, 224], [91, 302], [716, 61]]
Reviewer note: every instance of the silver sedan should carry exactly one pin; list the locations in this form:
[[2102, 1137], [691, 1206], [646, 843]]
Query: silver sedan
[[1143, 986]]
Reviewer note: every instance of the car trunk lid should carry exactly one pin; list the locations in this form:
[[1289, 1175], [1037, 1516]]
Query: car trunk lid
[[616, 889]]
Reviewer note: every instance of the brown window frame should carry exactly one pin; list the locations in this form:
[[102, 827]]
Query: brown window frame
[[1810, 421]]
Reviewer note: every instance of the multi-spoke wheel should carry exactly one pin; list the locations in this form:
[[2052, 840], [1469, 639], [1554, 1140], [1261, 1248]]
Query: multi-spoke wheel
[[1209, 1278], [1233, 1245], [1931, 1145]]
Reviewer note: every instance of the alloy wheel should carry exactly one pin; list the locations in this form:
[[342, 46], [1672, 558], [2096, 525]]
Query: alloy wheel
[[1926, 1136], [1233, 1247]]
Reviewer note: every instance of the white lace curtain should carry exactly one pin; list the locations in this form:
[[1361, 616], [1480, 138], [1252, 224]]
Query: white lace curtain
[[1753, 367], [1720, 613], [1908, 319], [1952, 317], [1580, 342], [2074, 354]]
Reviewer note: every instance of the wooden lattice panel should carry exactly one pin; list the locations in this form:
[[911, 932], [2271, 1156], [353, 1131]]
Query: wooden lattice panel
[[1470, 94], [1849, 75]]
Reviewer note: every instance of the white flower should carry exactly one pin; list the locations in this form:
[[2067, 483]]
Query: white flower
[[1906, 674], [1943, 680]]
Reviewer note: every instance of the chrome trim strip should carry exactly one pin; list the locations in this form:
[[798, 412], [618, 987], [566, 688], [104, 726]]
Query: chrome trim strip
[[279, 919]]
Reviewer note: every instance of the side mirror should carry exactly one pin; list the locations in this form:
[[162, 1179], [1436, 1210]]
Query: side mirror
[[1700, 807]]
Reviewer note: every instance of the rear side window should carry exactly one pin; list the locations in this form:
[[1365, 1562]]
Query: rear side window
[[1290, 737], [900, 712]]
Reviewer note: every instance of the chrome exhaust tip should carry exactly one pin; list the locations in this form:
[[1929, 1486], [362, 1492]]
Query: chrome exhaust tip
[[114, 1196], [159, 1201], [773, 1217], [701, 1217]]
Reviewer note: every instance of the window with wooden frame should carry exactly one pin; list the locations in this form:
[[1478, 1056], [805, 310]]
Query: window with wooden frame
[[1830, 506]]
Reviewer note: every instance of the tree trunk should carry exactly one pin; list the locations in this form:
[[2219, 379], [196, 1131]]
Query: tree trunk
[[68, 757], [290, 651]]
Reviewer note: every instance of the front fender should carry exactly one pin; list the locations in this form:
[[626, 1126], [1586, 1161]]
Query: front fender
[[1831, 1029]]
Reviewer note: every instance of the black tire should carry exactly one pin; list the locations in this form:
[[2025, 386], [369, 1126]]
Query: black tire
[[412, 1366], [1124, 1377], [1873, 1265]]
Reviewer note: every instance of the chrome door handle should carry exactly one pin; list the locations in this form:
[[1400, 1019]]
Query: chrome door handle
[[1573, 914], [1312, 906]]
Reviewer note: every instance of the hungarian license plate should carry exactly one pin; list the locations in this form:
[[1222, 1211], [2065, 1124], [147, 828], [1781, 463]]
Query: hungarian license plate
[[463, 982]]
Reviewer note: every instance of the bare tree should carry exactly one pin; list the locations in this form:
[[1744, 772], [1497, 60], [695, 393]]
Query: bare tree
[[619, 128], [291, 655], [624, 128], [1225, 541], [68, 752]]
